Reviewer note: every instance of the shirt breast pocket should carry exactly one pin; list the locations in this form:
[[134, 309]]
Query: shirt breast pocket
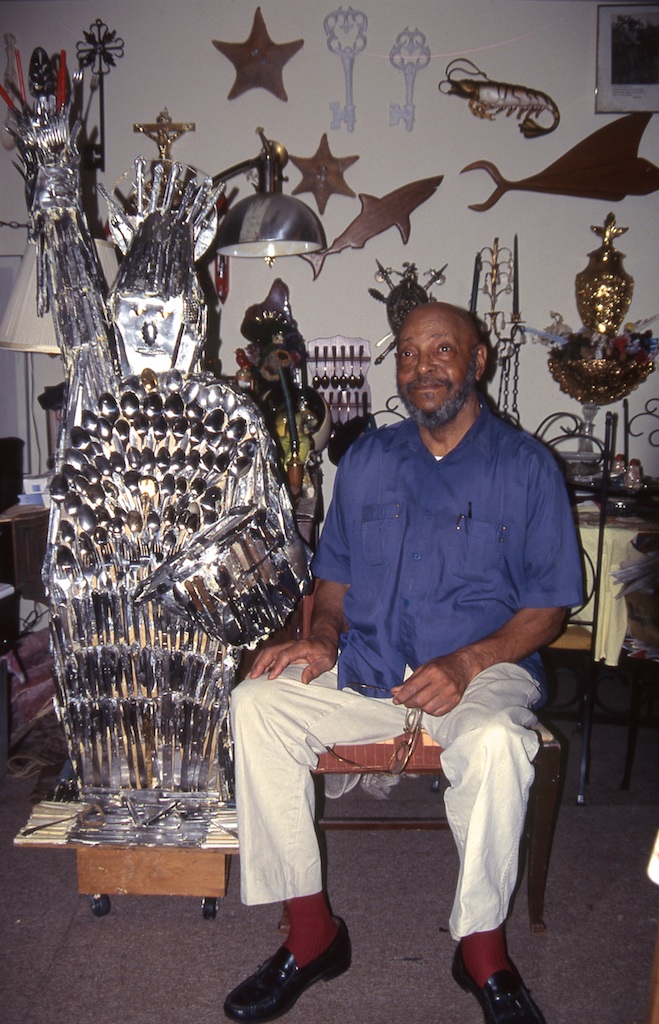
[[482, 546], [381, 532]]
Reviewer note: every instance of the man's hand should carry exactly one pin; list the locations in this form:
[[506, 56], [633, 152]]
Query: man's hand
[[320, 651], [437, 686], [319, 655]]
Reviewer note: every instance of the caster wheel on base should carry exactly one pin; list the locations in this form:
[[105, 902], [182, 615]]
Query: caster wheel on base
[[100, 904], [209, 907]]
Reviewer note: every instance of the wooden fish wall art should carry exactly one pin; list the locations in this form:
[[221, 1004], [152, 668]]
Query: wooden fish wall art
[[487, 98], [604, 165], [378, 214]]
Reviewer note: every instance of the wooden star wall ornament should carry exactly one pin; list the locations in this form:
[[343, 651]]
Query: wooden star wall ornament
[[259, 62], [322, 174]]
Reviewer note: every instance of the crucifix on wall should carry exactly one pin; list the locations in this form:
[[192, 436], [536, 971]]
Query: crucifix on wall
[[165, 132]]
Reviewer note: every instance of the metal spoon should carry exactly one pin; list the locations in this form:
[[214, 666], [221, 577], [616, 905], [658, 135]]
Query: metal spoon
[[196, 432], [153, 523], [189, 391], [80, 439], [107, 406], [88, 421], [173, 380], [179, 427], [66, 533], [334, 379], [153, 405], [59, 488], [122, 430], [159, 427], [87, 518], [104, 428], [352, 379], [75, 458], [129, 404], [236, 428], [162, 457], [96, 495], [324, 380], [215, 422], [174, 406]]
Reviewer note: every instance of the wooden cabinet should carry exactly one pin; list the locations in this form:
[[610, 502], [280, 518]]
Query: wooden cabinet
[[25, 530]]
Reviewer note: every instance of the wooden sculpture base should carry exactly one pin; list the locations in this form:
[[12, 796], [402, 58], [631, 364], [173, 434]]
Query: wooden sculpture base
[[116, 869]]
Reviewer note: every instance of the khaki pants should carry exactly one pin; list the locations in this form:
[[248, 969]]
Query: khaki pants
[[280, 726]]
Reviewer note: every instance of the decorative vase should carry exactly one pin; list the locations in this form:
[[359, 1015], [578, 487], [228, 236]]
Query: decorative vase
[[600, 381], [604, 289]]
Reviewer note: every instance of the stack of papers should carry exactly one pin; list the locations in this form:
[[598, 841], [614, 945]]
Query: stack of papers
[[36, 491]]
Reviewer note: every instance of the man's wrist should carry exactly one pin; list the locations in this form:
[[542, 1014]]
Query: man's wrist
[[472, 660], [326, 636]]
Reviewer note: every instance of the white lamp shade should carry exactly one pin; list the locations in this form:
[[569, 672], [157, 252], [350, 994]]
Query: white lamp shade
[[21, 328]]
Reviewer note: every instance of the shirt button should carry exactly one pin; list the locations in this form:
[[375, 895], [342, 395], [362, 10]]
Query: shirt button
[[417, 557]]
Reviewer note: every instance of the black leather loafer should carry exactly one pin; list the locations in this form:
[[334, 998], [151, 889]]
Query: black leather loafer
[[504, 998], [279, 982]]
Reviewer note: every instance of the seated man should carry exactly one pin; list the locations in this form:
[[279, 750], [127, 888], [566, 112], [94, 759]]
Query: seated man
[[447, 560]]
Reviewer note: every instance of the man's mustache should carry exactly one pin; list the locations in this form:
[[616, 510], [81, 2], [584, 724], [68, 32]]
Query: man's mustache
[[424, 382]]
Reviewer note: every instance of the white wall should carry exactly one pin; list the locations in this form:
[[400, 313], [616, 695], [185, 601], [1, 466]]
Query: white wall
[[170, 62]]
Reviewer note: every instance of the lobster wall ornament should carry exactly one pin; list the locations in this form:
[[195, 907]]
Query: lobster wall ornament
[[487, 98]]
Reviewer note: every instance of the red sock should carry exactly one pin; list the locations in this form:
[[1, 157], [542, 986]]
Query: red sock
[[312, 927], [483, 953]]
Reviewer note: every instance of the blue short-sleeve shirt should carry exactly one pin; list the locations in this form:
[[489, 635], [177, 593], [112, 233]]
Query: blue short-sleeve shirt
[[438, 554]]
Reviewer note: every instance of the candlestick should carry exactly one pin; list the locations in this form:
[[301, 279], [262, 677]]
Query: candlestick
[[19, 72], [515, 279], [475, 283], [290, 414], [61, 80], [7, 98]]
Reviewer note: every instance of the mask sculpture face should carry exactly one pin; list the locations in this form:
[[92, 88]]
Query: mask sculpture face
[[156, 302]]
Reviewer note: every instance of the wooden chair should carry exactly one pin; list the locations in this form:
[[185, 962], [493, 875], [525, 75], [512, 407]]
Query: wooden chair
[[580, 635], [644, 675], [425, 759]]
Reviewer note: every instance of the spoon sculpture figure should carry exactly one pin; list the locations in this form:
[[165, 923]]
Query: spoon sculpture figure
[[172, 543]]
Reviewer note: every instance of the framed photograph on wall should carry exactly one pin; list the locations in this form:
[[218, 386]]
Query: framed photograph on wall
[[627, 58]]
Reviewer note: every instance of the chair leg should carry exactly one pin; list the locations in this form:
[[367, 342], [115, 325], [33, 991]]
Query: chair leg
[[632, 732], [587, 716], [544, 808]]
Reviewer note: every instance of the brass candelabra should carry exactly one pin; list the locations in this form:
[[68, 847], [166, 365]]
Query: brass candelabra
[[499, 267]]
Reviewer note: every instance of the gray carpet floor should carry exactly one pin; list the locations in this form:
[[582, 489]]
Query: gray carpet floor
[[156, 960]]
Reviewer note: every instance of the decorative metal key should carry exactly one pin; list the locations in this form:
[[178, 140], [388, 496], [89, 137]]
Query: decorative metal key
[[354, 24], [409, 54]]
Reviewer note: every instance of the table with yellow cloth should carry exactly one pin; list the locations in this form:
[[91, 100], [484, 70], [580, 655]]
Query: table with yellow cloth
[[619, 533]]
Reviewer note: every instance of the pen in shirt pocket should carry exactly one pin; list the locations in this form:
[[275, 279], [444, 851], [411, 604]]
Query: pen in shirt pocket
[[463, 516]]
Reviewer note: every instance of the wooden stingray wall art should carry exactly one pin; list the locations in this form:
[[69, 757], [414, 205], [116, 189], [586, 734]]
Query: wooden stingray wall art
[[604, 165], [378, 214]]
